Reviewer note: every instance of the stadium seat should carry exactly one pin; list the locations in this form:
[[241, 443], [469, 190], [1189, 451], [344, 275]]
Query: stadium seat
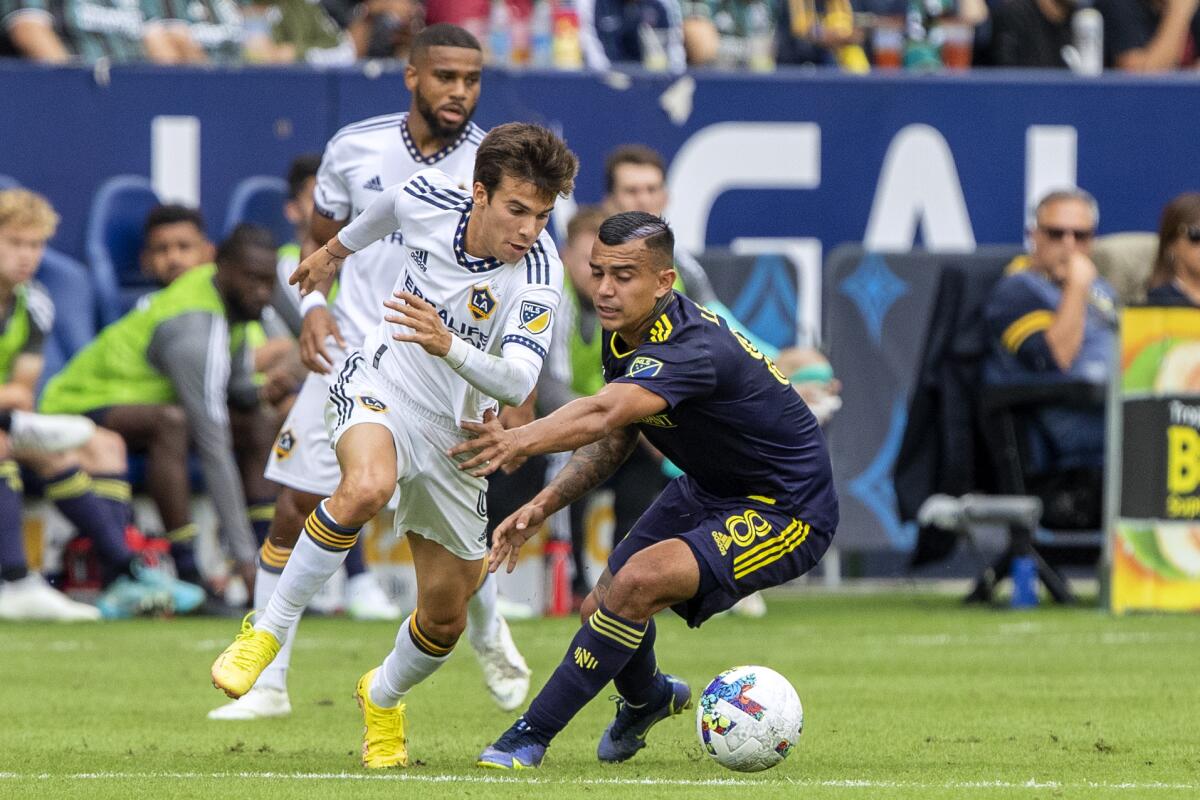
[[114, 243], [259, 200], [69, 286]]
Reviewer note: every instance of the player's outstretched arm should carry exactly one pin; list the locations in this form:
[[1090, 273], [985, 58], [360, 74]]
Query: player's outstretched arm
[[590, 466], [578, 423]]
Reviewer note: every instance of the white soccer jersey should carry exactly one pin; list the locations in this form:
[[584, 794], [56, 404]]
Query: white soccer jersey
[[500, 309], [360, 161]]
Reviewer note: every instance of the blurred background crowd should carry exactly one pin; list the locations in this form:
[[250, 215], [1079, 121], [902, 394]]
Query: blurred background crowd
[[658, 35]]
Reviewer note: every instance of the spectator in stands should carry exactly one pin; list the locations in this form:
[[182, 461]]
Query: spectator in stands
[[175, 369], [808, 32], [87, 484], [289, 31], [1031, 33], [635, 180], [574, 370], [472, 15], [1175, 279], [87, 30], [1051, 319], [1150, 35], [385, 28], [173, 242], [204, 31], [643, 32]]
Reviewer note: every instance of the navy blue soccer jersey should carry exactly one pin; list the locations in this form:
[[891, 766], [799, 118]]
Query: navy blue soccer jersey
[[733, 423]]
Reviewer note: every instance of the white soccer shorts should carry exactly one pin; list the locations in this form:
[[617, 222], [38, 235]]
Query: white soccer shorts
[[437, 500], [302, 457]]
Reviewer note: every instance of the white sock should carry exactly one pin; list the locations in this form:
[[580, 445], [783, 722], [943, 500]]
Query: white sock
[[404, 668], [482, 616], [275, 675], [309, 566]]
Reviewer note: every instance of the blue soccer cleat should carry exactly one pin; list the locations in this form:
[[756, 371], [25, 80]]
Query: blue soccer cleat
[[518, 748], [185, 597], [626, 734], [126, 598]]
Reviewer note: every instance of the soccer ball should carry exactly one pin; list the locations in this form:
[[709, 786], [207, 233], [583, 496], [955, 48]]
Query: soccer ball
[[749, 719]]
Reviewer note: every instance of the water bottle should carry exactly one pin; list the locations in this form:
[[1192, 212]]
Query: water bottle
[[654, 52], [499, 35], [760, 38], [568, 53], [1087, 31], [541, 34], [1024, 580]]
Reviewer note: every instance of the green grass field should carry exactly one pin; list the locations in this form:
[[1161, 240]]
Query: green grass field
[[906, 696]]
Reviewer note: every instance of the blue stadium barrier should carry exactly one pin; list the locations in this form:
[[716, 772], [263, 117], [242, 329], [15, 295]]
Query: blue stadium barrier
[[114, 243], [259, 200]]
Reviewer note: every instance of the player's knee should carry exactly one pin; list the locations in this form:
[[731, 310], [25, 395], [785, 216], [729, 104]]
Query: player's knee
[[170, 425], [363, 492], [633, 592], [104, 453], [443, 626]]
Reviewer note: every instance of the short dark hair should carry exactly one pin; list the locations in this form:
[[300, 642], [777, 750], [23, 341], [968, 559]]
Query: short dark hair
[[170, 214], [527, 153], [302, 168], [587, 219], [630, 154], [244, 237], [442, 35], [629, 226]]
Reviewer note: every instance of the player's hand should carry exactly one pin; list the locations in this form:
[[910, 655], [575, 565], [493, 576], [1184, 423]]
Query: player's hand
[[518, 528], [315, 330], [493, 446], [318, 267], [416, 314]]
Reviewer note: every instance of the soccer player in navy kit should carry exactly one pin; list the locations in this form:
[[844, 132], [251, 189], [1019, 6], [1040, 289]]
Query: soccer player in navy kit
[[756, 506]]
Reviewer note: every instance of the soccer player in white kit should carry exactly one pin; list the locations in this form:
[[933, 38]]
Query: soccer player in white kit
[[471, 322], [359, 162]]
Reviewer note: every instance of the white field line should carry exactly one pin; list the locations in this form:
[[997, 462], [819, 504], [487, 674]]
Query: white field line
[[410, 777]]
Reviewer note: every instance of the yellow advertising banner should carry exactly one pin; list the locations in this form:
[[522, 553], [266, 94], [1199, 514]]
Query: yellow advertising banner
[[1155, 538]]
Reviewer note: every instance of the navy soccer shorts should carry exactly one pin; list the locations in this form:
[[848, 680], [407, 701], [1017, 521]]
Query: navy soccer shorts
[[742, 544]]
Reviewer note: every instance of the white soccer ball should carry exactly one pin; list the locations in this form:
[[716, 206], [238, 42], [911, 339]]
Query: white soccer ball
[[749, 718]]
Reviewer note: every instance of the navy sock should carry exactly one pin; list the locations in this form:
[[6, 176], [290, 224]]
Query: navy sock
[[261, 512], [355, 563], [640, 682], [13, 566], [115, 493], [71, 493], [599, 651], [183, 553]]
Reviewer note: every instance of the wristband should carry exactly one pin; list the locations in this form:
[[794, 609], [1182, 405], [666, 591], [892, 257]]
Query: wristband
[[311, 301], [456, 356]]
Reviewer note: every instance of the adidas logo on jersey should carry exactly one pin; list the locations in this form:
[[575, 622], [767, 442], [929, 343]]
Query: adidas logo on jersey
[[375, 185], [421, 259]]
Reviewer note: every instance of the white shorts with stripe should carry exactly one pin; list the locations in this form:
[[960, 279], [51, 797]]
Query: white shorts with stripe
[[303, 458], [437, 500]]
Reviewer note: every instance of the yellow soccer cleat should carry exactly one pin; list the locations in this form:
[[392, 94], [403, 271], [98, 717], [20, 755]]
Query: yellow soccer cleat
[[238, 667], [384, 743]]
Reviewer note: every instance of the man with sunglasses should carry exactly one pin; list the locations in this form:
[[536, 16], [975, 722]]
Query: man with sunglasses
[[1052, 318]]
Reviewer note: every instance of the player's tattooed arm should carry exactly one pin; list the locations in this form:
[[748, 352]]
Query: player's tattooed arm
[[590, 466]]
